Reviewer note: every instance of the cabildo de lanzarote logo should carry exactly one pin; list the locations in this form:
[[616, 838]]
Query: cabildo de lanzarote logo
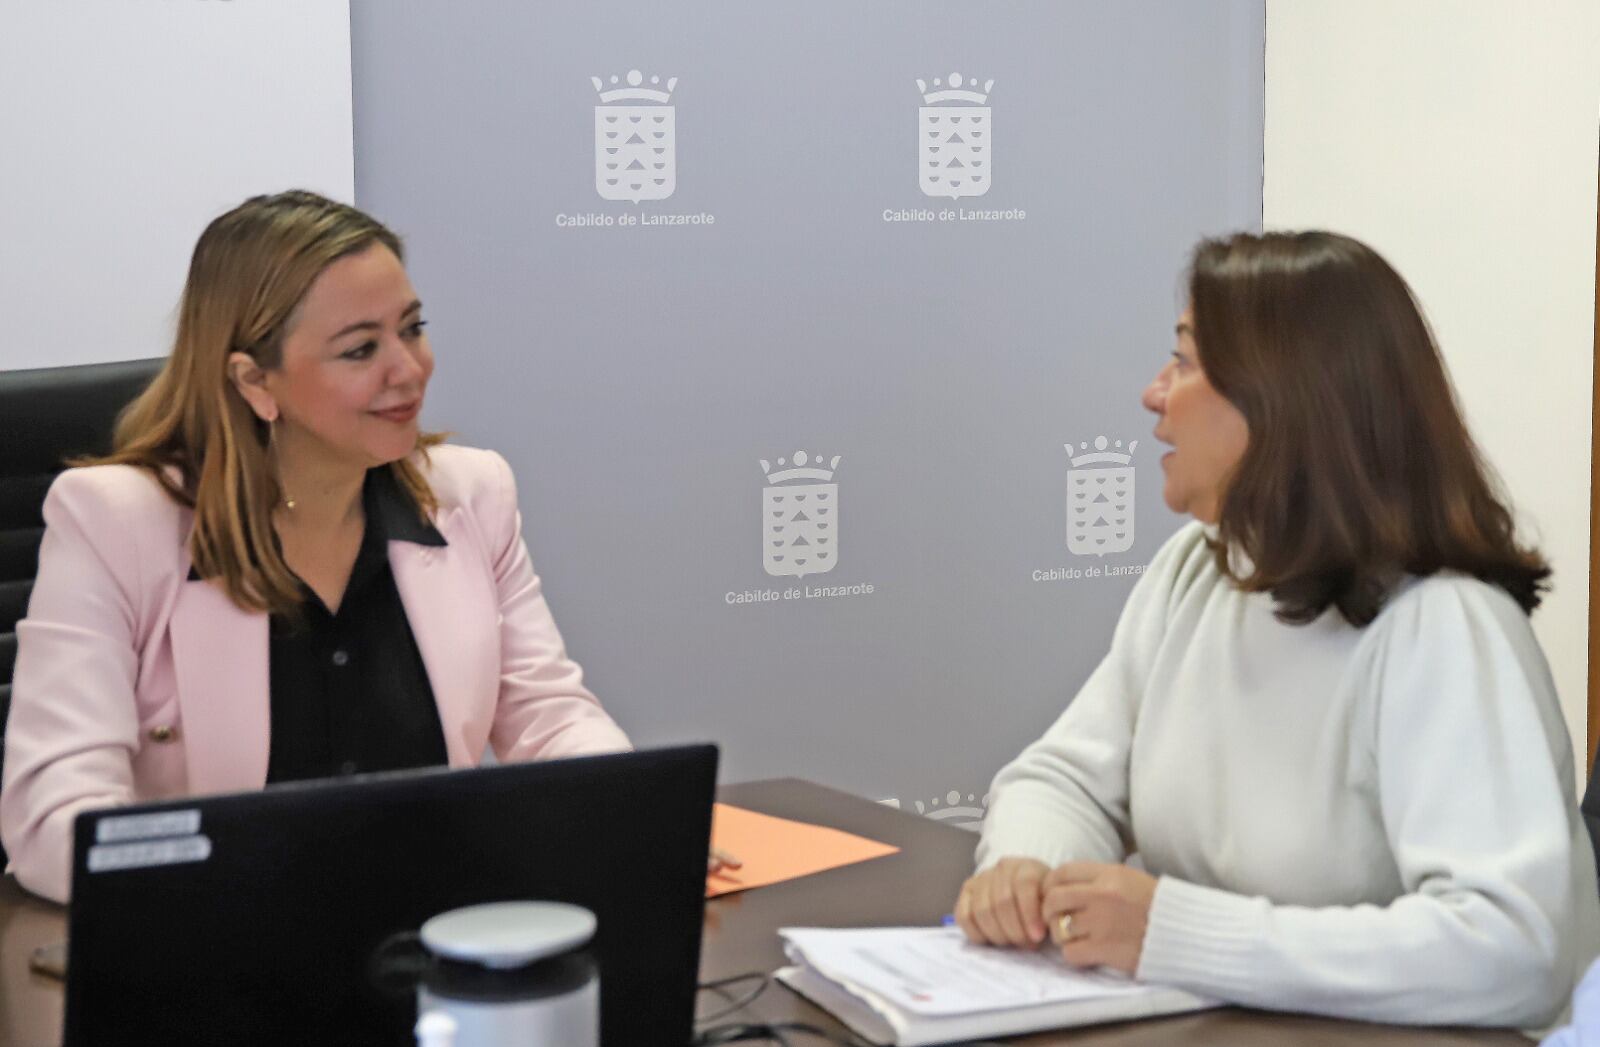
[[635, 138], [800, 516], [799, 534], [949, 808], [1100, 498], [955, 131]]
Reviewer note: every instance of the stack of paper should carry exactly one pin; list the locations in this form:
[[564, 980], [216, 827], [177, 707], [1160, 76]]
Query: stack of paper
[[925, 985]]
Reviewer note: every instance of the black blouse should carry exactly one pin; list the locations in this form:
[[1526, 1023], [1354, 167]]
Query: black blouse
[[349, 690]]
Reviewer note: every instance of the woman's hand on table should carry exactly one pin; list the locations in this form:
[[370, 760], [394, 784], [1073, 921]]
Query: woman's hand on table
[[719, 860], [1097, 913], [1002, 904]]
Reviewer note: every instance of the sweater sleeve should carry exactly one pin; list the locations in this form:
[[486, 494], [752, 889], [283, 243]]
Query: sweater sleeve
[[1066, 796], [1473, 775]]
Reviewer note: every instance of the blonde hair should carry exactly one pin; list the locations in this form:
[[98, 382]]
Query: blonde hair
[[193, 430]]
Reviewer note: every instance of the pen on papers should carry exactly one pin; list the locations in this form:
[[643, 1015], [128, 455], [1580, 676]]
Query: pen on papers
[[948, 921]]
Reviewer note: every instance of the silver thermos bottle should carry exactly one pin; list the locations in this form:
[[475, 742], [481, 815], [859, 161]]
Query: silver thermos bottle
[[509, 974]]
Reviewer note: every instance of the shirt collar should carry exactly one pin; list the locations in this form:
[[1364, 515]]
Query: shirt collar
[[393, 512]]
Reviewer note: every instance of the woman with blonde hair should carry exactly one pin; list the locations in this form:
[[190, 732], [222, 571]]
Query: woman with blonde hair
[[276, 575]]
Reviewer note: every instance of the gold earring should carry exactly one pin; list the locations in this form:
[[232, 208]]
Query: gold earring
[[277, 467]]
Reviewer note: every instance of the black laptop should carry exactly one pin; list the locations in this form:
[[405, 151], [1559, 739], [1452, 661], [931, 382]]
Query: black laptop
[[253, 918]]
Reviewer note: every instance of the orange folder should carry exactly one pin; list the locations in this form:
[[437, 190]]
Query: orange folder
[[777, 849]]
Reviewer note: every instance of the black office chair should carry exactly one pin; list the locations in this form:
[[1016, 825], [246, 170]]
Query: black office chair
[[47, 415]]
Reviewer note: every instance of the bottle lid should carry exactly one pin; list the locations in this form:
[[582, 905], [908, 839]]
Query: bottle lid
[[506, 935]]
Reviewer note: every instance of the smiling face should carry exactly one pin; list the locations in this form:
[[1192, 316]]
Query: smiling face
[[354, 366], [1207, 433]]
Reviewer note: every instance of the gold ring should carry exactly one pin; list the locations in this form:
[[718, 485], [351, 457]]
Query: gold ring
[[1064, 927]]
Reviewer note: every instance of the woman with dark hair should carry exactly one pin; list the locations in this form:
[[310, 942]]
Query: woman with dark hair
[[1324, 724]]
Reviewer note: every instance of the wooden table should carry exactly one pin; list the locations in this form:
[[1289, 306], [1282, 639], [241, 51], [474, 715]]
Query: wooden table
[[30, 1004], [917, 886], [913, 887]]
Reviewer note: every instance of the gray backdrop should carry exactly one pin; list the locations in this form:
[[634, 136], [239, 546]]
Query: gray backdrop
[[637, 375]]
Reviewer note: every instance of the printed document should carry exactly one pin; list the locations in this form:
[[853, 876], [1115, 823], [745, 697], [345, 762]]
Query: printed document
[[923, 985]]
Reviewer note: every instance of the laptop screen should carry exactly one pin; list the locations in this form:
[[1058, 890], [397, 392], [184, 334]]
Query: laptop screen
[[255, 917]]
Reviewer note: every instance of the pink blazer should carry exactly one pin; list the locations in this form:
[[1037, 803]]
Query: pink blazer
[[135, 683]]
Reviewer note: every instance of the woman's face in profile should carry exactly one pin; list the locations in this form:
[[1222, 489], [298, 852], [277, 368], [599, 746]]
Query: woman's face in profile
[[355, 363], [1207, 433]]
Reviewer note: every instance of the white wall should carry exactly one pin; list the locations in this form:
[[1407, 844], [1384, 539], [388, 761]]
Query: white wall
[[124, 128], [1459, 138]]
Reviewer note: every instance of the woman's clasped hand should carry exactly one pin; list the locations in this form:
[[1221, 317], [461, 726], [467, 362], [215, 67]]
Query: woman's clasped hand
[[1095, 913]]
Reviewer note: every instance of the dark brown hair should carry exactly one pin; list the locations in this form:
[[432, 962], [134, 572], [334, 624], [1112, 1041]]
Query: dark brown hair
[[1359, 470]]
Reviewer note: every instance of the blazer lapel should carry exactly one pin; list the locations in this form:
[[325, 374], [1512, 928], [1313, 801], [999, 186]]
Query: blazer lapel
[[448, 600], [219, 654]]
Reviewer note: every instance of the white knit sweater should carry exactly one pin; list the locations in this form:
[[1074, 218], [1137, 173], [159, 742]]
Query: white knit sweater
[[1372, 823]]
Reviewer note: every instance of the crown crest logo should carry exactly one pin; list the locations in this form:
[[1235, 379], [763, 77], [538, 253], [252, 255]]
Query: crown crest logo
[[1100, 500], [960, 89], [800, 516], [635, 138], [969, 816], [634, 91], [1100, 455], [805, 467], [955, 138]]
